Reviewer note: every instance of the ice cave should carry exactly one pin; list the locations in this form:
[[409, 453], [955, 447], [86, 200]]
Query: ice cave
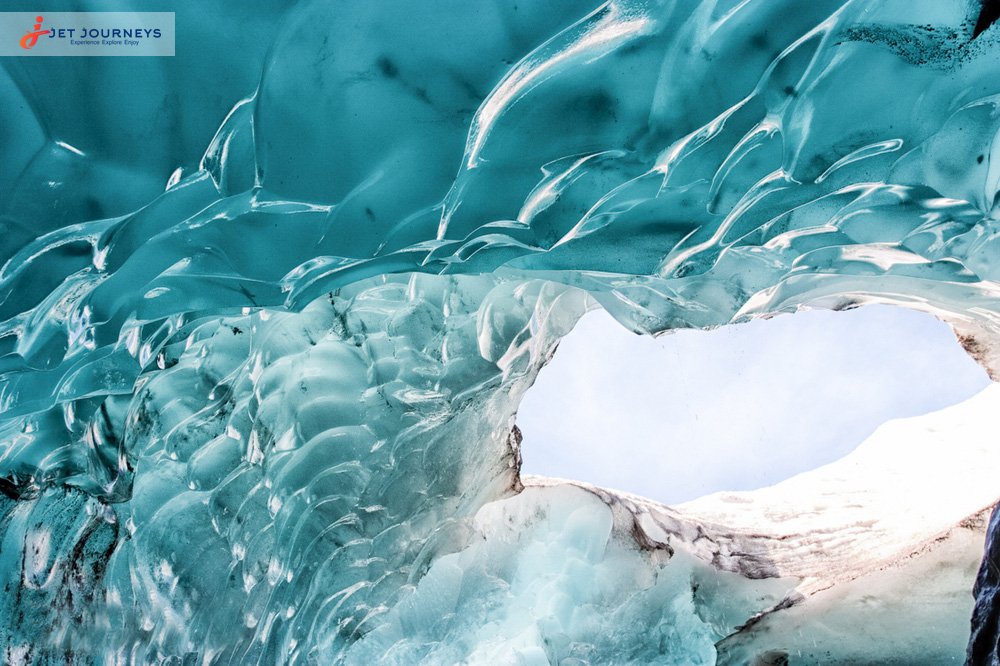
[[270, 306]]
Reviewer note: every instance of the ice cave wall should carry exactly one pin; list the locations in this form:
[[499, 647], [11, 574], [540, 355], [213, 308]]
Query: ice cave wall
[[256, 385]]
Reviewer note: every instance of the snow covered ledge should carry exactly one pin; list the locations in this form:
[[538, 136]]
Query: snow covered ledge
[[880, 549]]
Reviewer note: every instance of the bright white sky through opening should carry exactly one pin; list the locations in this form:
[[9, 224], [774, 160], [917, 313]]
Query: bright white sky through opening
[[737, 408]]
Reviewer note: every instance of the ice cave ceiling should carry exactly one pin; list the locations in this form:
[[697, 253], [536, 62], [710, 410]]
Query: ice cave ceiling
[[268, 308]]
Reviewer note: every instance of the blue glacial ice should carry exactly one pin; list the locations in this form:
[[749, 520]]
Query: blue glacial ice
[[268, 308]]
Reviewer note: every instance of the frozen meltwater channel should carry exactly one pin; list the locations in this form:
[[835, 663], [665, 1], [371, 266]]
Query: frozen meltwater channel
[[738, 407]]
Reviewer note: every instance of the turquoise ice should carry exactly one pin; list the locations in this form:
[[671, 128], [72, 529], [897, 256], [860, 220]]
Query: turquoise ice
[[268, 307]]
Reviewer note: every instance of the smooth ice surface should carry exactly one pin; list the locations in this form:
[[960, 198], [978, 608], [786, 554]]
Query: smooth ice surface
[[734, 408], [268, 308]]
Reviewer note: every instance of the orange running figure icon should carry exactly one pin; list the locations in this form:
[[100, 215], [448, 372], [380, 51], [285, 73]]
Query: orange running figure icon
[[31, 38]]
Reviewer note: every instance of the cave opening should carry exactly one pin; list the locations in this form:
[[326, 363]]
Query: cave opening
[[746, 406]]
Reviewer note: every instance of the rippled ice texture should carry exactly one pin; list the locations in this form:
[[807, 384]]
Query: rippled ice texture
[[269, 306]]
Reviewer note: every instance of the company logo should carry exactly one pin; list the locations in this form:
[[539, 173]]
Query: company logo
[[87, 33], [31, 37]]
